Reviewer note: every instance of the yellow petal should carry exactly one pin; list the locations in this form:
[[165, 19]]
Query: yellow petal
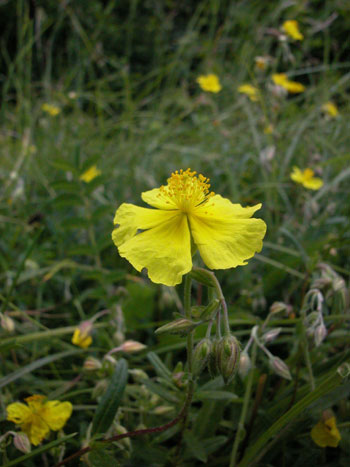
[[81, 339], [131, 218], [157, 199], [56, 414], [165, 250], [291, 28], [18, 413], [225, 234], [314, 183], [36, 430], [296, 175], [35, 402], [325, 433]]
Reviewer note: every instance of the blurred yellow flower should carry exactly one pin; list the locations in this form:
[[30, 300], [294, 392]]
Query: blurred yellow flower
[[251, 91], [280, 79], [186, 212], [261, 63], [268, 130], [291, 28], [325, 432], [330, 109], [90, 174], [81, 336], [306, 178], [209, 83], [39, 416], [52, 110]]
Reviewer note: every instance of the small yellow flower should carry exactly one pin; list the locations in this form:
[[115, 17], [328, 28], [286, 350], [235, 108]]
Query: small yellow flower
[[306, 178], [81, 336], [261, 63], [90, 174], [39, 416], [268, 130], [280, 79], [291, 28], [330, 109], [251, 91], [186, 212], [325, 432], [209, 83], [52, 110]]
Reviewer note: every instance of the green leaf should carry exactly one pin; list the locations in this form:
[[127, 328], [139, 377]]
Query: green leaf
[[105, 211], [159, 366], [67, 199], [40, 450], [75, 223], [35, 365], [101, 458], [110, 401], [217, 396], [63, 164], [68, 187], [251, 456], [195, 446]]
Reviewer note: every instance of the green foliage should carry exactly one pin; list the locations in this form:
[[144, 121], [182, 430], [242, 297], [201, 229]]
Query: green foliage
[[123, 77]]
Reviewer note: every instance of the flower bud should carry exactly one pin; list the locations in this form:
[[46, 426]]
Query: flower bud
[[213, 359], [92, 364], [138, 375], [206, 312], [244, 365], [81, 336], [180, 326], [203, 277], [279, 367], [201, 355], [277, 307], [270, 335], [7, 323], [21, 442], [132, 346], [228, 352], [320, 334]]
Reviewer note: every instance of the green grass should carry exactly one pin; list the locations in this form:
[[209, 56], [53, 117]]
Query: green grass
[[138, 114]]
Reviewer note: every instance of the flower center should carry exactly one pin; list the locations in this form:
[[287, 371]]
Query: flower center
[[187, 190]]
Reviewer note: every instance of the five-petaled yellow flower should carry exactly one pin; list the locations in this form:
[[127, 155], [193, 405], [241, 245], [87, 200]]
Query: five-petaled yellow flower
[[209, 83], [90, 174], [186, 213], [291, 86], [52, 110], [291, 28], [330, 109], [306, 178], [325, 432], [39, 416], [251, 91]]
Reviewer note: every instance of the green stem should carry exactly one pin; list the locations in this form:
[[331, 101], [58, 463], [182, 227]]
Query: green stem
[[305, 348], [241, 423], [221, 297]]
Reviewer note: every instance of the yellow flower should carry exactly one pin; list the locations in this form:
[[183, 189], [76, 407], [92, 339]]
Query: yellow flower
[[268, 130], [251, 91], [39, 417], [306, 178], [325, 432], [291, 86], [52, 110], [330, 109], [210, 83], [81, 336], [261, 63], [291, 28], [186, 212], [90, 174]]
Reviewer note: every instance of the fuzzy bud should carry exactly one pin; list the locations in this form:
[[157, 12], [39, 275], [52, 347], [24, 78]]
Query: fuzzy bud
[[213, 359], [228, 353], [92, 364], [320, 334], [180, 326], [245, 365], [270, 335], [7, 323], [21, 442], [278, 307], [201, 355], [132, 346], [280, 368]]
